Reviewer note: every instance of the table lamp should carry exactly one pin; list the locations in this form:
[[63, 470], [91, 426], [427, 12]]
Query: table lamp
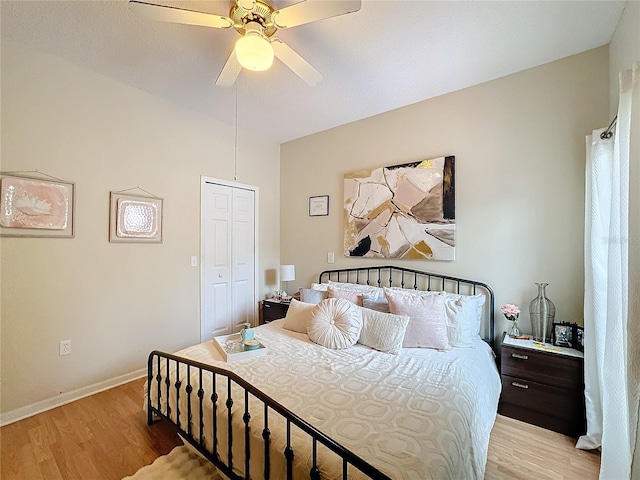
[[287, 273]]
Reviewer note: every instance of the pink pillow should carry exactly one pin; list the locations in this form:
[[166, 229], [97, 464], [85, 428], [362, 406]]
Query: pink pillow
[[427, 326], [352, 296]]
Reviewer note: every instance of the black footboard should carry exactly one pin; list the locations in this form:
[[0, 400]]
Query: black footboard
[[176, 384]]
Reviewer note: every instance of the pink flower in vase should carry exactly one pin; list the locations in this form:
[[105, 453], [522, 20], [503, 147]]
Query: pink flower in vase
[[511, 311]]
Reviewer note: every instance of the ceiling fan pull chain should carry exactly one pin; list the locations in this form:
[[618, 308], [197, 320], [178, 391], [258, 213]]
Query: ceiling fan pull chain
[[235, 140]]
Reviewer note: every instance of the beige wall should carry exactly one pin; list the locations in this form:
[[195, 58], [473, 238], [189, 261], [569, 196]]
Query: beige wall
[[519, 143], [116, 302], [624, 49]]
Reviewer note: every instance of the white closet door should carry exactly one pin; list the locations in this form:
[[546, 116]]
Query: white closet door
[[243, 257], [228, 259]]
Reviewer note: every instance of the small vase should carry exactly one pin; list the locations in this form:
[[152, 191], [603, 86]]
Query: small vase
[[514, 331], [246, 333], [542, 312]]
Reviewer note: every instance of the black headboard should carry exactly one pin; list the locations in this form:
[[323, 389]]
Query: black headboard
[[392, 276]]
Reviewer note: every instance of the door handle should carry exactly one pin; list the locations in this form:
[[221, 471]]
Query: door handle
[[219, 275]]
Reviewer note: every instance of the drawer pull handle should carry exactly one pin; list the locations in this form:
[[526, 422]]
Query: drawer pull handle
[[266, 305], [521, 357], [519, 385]]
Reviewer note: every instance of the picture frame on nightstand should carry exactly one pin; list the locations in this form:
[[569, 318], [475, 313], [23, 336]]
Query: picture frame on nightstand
[[578, 343], [564, 335]]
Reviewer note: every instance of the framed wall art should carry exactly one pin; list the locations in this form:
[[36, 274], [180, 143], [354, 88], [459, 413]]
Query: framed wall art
[[36, 207], [319, 206], [135, 218], [402, 211]]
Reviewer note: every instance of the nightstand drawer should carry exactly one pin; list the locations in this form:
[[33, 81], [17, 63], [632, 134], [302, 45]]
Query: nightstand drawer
[[547, 368], [546, 399], [273, 310], [574, 427]]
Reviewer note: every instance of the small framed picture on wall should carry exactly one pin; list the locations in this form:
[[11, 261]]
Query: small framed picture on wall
[[319, 206], [135, 218]]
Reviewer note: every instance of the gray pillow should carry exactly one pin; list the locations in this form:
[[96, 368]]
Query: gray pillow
[[308, 295], [375, 303]]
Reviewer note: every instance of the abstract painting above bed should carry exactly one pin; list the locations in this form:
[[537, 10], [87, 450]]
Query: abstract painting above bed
[[401, 211]]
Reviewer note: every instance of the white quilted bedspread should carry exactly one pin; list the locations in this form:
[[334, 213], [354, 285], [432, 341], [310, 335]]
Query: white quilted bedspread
[[422, 414]]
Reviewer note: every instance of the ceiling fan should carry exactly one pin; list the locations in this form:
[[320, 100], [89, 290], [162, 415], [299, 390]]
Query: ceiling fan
[[257, 21]]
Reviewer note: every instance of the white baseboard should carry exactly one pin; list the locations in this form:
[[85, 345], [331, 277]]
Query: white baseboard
[[42, 406]]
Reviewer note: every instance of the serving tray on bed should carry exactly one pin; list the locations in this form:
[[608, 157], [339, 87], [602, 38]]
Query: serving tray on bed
[[221, 343]]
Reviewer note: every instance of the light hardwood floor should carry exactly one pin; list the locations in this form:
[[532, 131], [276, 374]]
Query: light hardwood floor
[[105, 436]]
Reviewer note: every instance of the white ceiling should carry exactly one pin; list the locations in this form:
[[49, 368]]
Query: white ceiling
[[390, 54]]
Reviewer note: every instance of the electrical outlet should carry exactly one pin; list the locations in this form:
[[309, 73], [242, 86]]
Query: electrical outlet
[[331, 257], [65, 347]]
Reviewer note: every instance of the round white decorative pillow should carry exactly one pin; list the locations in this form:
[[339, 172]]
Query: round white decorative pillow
[[335, 323]]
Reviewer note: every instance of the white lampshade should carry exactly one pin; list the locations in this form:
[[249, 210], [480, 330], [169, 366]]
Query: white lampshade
[[287, 273], [253, 50]]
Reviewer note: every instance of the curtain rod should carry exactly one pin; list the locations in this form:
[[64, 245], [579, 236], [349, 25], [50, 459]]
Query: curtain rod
[[608, 133]]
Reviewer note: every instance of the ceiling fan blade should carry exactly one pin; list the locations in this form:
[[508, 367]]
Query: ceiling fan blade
[[164, 13], [295, 62], [308, 11], [230, 71]]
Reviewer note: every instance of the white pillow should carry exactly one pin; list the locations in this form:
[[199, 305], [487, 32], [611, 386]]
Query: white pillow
[[358, 287], [298, 316], [409, 291], [335, 323], [320, 286], [383, 331], [463, 315]]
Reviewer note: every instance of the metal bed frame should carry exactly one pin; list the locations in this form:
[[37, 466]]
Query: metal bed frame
[[170, 389]]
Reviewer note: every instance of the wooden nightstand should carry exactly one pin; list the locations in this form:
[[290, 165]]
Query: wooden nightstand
[[271, 309], [543, 386]]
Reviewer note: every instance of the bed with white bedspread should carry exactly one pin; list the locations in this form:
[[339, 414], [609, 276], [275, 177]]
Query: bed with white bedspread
[[420, 414]]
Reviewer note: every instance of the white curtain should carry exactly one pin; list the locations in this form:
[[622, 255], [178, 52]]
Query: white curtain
[[612, 289]]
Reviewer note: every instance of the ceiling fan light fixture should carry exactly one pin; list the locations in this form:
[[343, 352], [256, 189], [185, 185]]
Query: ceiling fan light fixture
[[254, 51]]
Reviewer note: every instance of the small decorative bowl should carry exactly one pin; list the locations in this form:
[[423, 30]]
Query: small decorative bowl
[[251, 344]]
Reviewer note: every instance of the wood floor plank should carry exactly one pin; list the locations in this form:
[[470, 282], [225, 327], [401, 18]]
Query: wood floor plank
[[518, 450], [105, 437], [39, 444]]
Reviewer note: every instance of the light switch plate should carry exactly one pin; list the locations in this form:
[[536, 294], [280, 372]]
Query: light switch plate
[[194, 261], [331, 257]]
